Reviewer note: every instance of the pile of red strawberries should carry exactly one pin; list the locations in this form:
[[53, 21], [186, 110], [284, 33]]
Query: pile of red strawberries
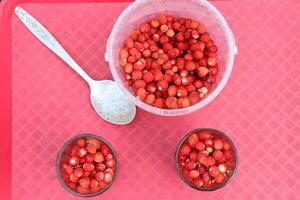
[[170, 62], [88, 166], [206, 160]]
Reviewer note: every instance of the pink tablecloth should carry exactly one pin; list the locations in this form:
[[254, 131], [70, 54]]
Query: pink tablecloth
[[259, 108]]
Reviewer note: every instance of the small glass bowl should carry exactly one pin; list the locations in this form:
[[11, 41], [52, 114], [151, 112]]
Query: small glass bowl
[[214, 132], [61, 153]]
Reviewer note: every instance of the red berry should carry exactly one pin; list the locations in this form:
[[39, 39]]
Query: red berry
[[88, 167], [219, 178], [108, 176], [193, 174], [222, 168], [162, 85], [190, 88], [180, 37], [200, 146], [129, 43], [176, 26], [185, 150], [89, 158], [145, 27], [78, 172], [226, 146], [147, 53], [210, 161], [194, 97], [158, 75], [214, 171], [172, 53], [73, 178], [172, 91], [82, 152], [84, 182], [218, 144], [99, 176], [168, 77], [198, 54], [170, 33], [68, 169], [155, 23], [99, 157], [81, 142], [74, 150], [139, 84], [211, 61], [203, 135], [201, 158], [164, 28], [72, 185], [193, 140], [151, 88], [100, 167], [141, 93], [198, 84], [110, 163], [74, 161], [201, 29], [188, 57], [195, 34], [164, 39], [217, 154], [150, 98], [148, 77], [194, 156], [228, 155], [159, 103], [177, 80], [91, 148], [190, 65], [94, 184], [198, 182], [190, 165], [202, 71], [205, 37], [83, 190], [171, 102], [181, 91], [184, 73], [208, 142], [206, 177]]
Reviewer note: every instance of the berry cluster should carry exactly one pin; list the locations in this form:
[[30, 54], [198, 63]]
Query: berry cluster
[[206, 160], [170, 62], [87, 166]]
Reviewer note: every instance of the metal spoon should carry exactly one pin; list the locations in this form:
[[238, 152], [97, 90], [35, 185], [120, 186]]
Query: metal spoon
[[107, 99]]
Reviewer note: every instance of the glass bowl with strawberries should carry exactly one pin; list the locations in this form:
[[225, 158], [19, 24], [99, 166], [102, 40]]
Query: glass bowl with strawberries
[[206, 159], [86, 165]]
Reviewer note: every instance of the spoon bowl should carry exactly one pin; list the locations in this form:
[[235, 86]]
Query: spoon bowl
[[110, 102]]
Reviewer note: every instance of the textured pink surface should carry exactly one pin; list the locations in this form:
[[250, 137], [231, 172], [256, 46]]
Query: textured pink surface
[[259, 108]]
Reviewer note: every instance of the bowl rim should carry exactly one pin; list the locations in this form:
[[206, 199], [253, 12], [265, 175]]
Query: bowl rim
[[60, 153], [232, 48], [214, 131]]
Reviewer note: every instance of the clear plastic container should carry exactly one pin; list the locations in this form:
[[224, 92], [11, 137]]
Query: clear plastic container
[[143, 10]]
